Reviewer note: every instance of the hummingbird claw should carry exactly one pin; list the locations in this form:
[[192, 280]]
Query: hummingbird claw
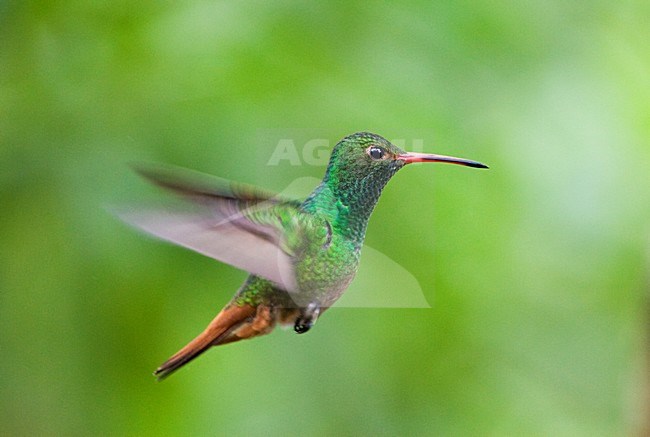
[[301, 327], [307, 318]]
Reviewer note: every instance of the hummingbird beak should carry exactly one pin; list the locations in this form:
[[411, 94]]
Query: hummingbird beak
[[411, 157]]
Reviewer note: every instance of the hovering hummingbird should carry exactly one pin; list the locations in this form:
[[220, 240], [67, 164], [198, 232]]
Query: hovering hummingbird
[[301, 255]]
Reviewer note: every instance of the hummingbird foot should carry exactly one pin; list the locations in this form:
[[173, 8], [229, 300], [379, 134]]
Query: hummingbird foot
[[307, 318]]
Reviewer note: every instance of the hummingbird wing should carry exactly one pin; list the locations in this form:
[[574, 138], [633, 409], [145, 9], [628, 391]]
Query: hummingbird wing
[[238, 224]]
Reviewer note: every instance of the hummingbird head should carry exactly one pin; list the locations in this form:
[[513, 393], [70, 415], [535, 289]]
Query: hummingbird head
[[360, 167], [362, 164], [364, 155]]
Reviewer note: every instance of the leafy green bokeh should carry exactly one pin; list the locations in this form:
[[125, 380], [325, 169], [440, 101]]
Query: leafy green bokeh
[[537, 270]]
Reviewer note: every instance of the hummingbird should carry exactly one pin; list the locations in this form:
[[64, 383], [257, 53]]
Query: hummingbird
[[301, 255]]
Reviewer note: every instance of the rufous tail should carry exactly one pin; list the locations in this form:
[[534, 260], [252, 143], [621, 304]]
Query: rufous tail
[[219, 331]]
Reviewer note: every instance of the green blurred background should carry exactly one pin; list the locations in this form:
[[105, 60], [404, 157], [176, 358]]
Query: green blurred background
[[537, 270]]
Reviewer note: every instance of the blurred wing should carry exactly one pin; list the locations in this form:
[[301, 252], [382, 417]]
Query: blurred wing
[[234, 223], [202, 187]]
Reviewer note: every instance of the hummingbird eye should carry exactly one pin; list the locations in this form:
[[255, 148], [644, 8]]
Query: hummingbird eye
[[376, 153]]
